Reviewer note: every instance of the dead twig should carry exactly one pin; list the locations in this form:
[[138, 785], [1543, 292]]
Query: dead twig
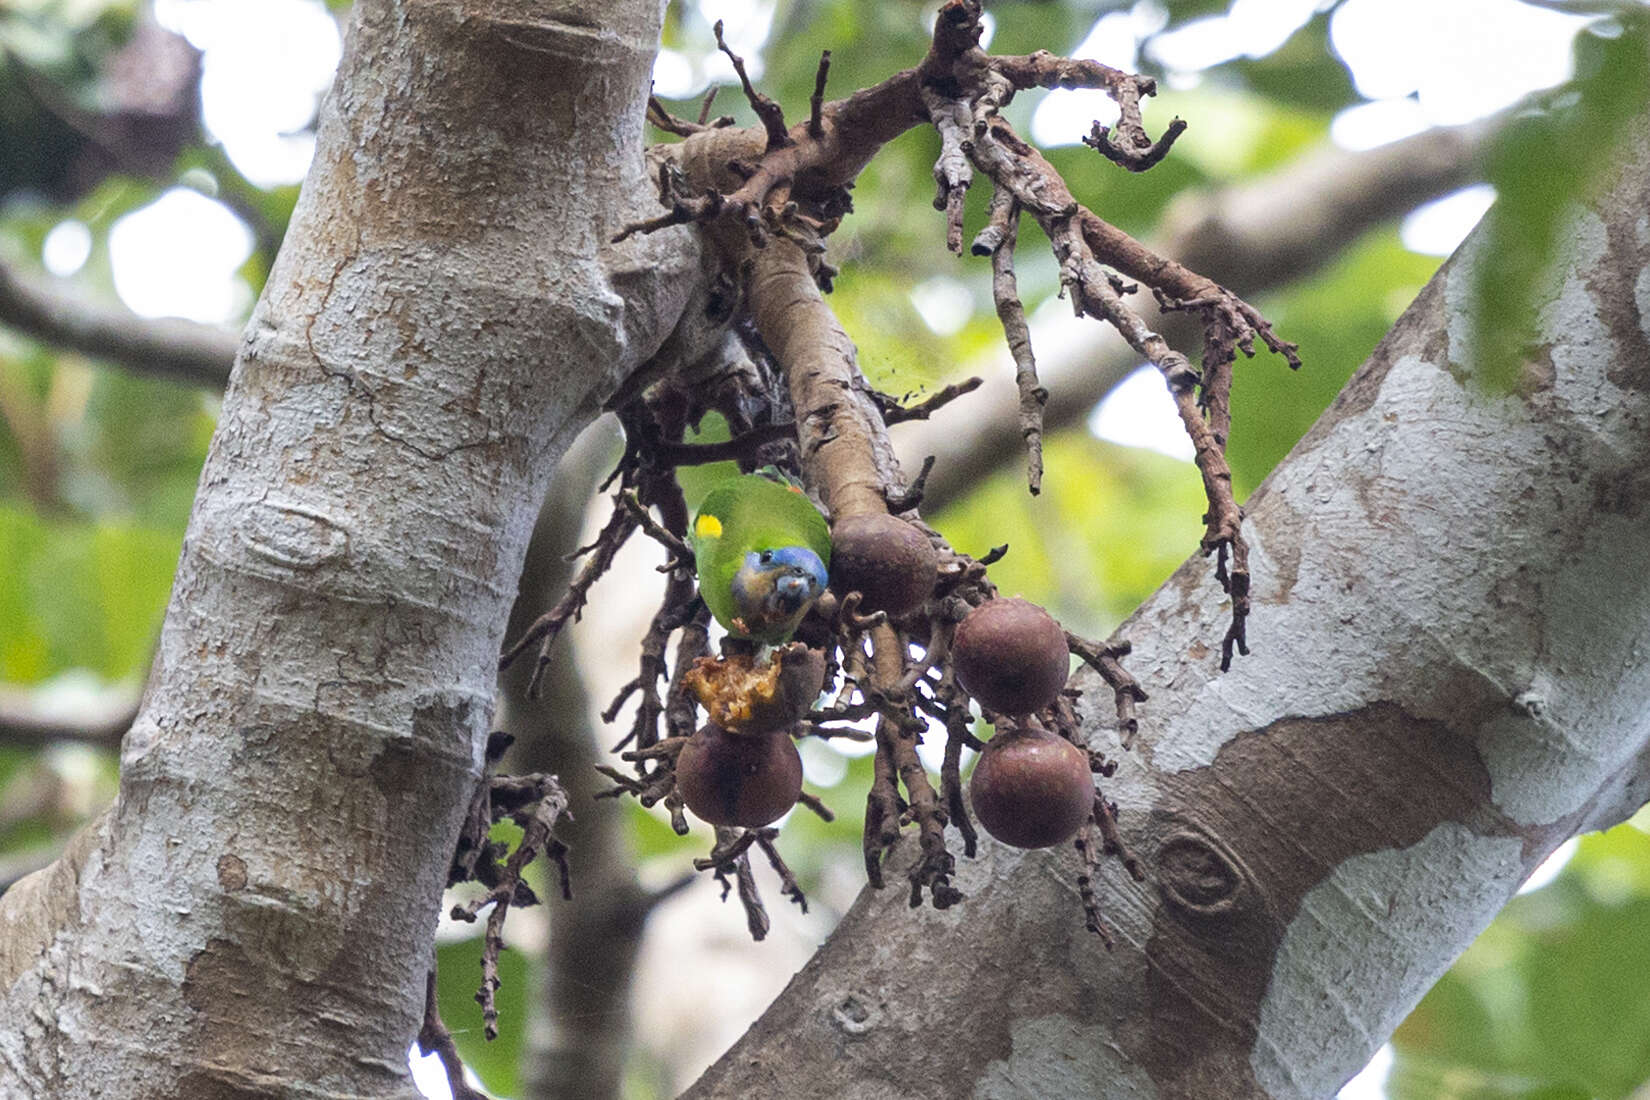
[[547, 627], [434, 1038], [1005, 212], [773, 118], [535, 803], [816, 122], [1108, 662], [895, 413]]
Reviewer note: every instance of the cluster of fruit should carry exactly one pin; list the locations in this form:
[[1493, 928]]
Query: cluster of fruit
[[1032, 787]]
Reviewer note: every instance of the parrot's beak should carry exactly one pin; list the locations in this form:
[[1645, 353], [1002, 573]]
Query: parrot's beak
[[795, 590]]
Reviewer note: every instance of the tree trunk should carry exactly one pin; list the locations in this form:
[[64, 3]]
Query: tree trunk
[[1451, 611], [253, 916]]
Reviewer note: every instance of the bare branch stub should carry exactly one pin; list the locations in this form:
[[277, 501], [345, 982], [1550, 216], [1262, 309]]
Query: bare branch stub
[[910, 497], [548, 627], [434, 1038], [952, 172], [730, 844], [704, 107], [883, 809], [934, 866], [662, 119], [772, 116], [731, 857], [1133, 149], [817, 805], [683, 205], [1088, 851], [816, 105], [681, 715], [957, 738], [756, 914], [535, 803], [893, 412], [1105, 819], [1108, 662], [666, 538], [787, 880]]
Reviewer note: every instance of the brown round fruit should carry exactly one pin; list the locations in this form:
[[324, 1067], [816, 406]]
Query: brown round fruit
[[890, 563], [1032, 789], [1010, 655], [731, 780]]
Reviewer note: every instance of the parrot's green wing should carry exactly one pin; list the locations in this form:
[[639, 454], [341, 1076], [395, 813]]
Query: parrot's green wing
[[749, 513]]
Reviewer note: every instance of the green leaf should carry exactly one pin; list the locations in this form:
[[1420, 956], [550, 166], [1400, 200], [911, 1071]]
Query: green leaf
[[1302, 72], [1553, 999], [1337, 317], [80, 595], [1552, 155], [458, 976], [1110, 526]]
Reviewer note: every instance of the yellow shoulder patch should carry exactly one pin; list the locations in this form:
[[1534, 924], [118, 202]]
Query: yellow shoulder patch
[[707, 526]]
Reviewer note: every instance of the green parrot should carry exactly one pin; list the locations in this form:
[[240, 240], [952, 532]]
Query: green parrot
[[761, 549]]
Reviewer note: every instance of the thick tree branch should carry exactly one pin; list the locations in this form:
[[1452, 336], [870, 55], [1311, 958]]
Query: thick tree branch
[[22, 722], [312, 732], [1447, 690], [167, 347]]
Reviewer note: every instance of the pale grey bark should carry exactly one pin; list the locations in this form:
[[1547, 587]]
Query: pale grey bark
[[1450, 619], [253, 916]]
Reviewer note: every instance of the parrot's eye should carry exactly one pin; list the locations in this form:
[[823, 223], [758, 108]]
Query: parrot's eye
[[765, 557]]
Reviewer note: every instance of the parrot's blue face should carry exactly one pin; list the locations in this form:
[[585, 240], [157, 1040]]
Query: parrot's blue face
[[773, 589]]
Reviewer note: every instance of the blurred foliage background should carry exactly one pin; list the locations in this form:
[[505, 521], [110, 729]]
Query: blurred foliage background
[[149, 161]]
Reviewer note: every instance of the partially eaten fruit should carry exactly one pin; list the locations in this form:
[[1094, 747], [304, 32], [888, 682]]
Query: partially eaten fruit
[[745, 696]]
